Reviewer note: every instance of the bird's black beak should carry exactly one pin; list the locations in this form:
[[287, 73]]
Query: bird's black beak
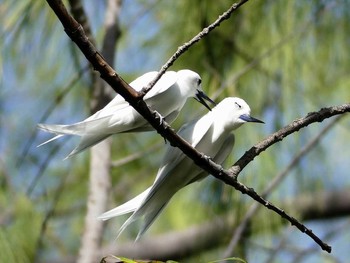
[[201, 97], [249, 118]]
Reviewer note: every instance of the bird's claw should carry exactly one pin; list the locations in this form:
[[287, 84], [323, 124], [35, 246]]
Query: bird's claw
[[207, 158], [161, 119], [161, 122]]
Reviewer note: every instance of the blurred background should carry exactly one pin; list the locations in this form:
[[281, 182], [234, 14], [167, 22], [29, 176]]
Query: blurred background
[[286, 58]]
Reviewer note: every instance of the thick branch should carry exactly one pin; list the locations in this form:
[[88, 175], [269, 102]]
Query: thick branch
[[78, 12]]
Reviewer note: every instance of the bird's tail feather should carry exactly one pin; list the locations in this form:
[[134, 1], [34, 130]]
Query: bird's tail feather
[[89, 130], [128, 207], [74, 129], [50, 140], [136, 205], [87, 141], [79, 128], [149, 219]]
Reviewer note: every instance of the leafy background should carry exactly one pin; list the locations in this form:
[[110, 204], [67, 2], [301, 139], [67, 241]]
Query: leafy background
[[285, 58]]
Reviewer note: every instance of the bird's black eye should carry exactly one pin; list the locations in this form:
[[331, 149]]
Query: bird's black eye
[[199, 81], [239, 106]]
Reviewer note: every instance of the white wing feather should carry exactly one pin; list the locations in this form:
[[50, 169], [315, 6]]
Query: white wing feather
[[177, 171], [118, 116]]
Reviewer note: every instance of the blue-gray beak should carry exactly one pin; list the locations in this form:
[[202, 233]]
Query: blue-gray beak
[[201, 97], [249, 118]]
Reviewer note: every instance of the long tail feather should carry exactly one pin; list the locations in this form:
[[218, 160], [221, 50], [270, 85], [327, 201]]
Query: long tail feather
[[87, 141], [128, 207], [61, 129], [50, 140], [148, 220], [87, 126]]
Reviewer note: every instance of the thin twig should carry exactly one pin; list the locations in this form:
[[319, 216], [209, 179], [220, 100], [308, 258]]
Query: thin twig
[[226, 15], [295, 126], [332, 233]]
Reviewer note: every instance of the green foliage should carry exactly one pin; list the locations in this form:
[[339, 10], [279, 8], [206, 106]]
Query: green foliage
[[20, 229]]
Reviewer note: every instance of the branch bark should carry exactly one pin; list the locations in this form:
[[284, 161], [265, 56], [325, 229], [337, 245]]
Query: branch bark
[[278, 136], [242, 226], [76, 33]]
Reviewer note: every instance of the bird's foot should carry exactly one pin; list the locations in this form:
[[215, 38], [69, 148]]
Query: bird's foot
[[207, 157], [161, 119], [161, 122]]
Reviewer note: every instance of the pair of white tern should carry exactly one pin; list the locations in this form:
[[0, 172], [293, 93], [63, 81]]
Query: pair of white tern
[[210, 134]]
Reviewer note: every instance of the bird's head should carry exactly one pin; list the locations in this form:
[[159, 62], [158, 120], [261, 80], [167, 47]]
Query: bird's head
[[233, 112], [192, 84]]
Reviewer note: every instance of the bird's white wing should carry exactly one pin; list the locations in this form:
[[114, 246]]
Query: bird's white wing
[[168, 79], [118, 116], [169, 182], [220, 157], [193, 132], [176, 172], [118, 101], [128, 207]]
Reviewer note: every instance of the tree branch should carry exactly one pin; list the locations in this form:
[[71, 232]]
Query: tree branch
[[295, 126], [76, 32], [78, 12], [240, 229]]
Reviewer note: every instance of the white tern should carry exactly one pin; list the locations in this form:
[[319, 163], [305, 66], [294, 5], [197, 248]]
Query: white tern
[[167, 97], [211, 135]]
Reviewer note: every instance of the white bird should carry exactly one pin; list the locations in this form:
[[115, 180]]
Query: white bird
[[211, 135], [167, 97]]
